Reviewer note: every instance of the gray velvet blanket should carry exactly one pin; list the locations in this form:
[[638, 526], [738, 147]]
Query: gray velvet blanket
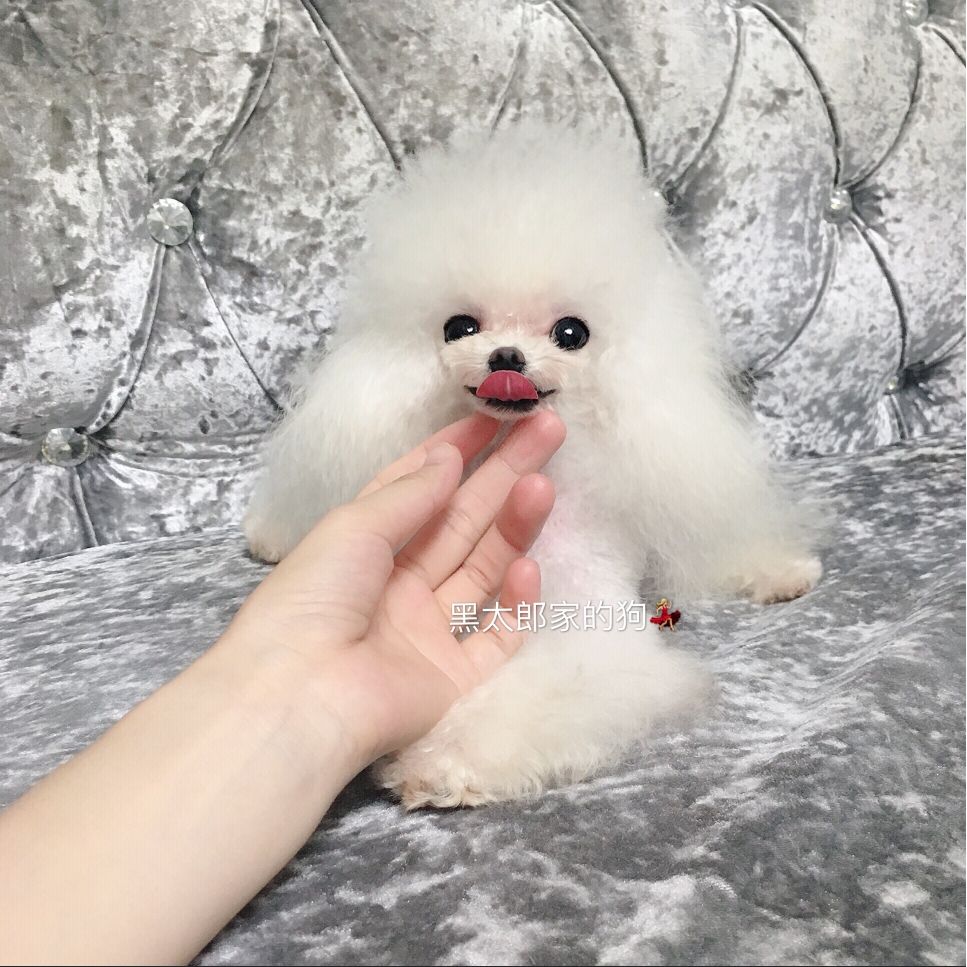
[[181, 187], [815, 816]]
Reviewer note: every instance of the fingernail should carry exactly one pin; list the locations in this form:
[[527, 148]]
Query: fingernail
[[439, 454]]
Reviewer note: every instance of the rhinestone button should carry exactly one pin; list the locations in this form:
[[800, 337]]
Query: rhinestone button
[[840, 205], [916, 11], [169, 221], [65, 447]]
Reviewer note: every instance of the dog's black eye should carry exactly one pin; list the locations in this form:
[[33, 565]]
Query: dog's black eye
[[459, 326], [570, 333]]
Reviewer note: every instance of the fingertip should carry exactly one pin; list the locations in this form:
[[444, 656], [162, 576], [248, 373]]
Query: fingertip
[[525, 511], [552, 426], [528, 506], [473, 433], [530, 570], [523, 580], [546, 429], [539, 491], [486, 423], [442, 470], [442, 453]]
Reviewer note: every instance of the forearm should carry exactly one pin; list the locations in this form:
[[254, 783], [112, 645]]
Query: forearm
[[142, 847]]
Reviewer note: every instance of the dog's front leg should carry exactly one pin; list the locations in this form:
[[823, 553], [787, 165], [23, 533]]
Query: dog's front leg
[[571, 703]]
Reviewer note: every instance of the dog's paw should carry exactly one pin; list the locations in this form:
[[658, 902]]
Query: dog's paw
[[419, 778], [418, 781], [262, 542], [788, 580]]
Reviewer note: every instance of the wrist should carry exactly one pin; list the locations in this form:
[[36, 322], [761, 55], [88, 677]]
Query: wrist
[[284, 698]]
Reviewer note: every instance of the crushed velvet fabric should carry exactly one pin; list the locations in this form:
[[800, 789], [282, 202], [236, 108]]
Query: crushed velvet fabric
[[815, 817], [811, 152], [812, 156]]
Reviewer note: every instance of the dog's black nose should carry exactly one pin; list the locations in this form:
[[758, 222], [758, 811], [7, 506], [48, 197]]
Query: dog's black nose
[[507, 357]]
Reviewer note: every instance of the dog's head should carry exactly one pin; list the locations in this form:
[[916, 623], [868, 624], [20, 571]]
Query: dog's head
[[509, 266]]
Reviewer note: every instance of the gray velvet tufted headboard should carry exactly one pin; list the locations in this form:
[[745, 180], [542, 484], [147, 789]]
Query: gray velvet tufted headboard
[[179, 189]]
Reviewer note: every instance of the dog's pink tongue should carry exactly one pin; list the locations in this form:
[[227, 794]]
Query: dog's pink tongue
[[508, 386]]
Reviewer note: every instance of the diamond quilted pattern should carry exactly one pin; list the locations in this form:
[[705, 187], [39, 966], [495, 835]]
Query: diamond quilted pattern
[[273, 121]]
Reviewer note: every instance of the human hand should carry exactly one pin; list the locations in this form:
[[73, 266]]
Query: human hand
[[356, 620]]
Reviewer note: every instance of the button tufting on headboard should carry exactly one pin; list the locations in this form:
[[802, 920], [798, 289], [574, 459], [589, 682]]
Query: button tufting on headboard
[[169, 221], [65, 447], [839, 207], [183, 184], [916, 11]]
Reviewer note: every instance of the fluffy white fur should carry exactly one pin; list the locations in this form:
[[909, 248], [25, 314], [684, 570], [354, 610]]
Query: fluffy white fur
[[660, 476]]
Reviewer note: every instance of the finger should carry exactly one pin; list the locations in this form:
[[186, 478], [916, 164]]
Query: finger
[[488, 650], [469, 436], [440, 548], [398, 509], [513, 531]]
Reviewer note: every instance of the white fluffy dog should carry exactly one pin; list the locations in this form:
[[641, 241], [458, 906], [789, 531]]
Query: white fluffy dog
[[540, 253]]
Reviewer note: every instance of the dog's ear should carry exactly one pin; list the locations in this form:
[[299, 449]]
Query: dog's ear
[[682, 455], [370, 400]]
